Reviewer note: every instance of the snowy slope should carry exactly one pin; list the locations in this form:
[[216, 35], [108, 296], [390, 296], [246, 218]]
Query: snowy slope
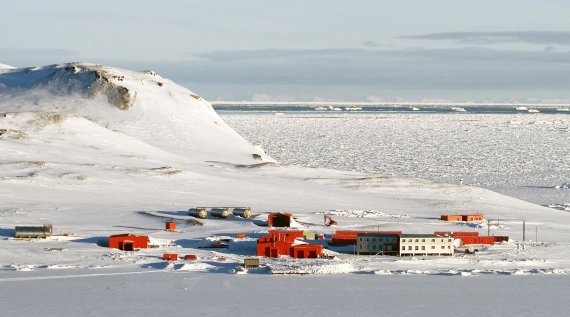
[[5, 67], [141, 105]]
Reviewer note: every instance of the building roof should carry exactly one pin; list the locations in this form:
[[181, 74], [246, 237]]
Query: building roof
[[281, 214], [419, 235], [379, 234]]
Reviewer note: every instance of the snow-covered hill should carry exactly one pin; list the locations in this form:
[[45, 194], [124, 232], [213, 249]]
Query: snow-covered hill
[[123, 109]]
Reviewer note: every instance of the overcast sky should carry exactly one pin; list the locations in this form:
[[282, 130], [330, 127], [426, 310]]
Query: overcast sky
[[499, 51]]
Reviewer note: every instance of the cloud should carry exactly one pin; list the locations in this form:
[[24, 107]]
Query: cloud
[[369, 44], [337, 72], [529, 37]]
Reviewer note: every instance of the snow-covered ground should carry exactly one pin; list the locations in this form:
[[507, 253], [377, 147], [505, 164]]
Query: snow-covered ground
[[97, 151]]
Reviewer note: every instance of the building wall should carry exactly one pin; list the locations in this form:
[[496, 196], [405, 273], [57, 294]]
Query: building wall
[[425, 245], [451, 217], [139, 242], [377, 244]]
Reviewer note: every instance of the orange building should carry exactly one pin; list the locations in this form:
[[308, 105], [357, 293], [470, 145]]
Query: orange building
[[279, 219], [128, 242], [451, 217], [469, 218], [170, 256], [170, 226], [278, 243]]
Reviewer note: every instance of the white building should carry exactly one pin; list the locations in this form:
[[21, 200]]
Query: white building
[[424, 244], [403, 244]]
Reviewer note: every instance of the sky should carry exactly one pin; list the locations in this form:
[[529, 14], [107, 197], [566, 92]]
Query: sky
[[379, 51]]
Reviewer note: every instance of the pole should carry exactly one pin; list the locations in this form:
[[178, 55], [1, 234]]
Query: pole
[[536, 234], [524, 230]]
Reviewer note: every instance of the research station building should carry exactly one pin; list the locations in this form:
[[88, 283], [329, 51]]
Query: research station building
[[403, 244], [377, 243], [425, 244]]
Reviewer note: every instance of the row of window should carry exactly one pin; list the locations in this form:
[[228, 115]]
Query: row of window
[[424, 240], [423, 247], [403, 240], [379, 239], [375, 247]]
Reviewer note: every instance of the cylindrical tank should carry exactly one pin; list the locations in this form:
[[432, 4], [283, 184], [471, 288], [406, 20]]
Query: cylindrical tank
[[243, 212], [457, 243], [220, 212], [201, 213]]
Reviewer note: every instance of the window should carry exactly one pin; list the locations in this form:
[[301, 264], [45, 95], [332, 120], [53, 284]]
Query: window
[[417, 248], [410, 248], [448, 240], [423, 240], [403, 247], [443, 247], [449, 247], [381, 240], [374, 239], [417, 240], [432, 240], [433, 247], [423, 247]]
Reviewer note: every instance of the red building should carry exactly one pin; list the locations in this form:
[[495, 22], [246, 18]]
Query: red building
[[170, 226], [459, 234], [477, 240], [499, 239], [469, 218], [286, 235], [306, 251], [271, 247], [278, 243], [451, 217], [279, 219], [170, 256], [128, 242]]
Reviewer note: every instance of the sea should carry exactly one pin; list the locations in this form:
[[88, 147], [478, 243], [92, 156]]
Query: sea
[[521, 151]]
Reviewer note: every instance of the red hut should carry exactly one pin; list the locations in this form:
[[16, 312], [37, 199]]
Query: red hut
[[469, 218], [170, 256], [477, 240], [279, 219], [170, 226], [451, 217], [306, 251], [128, 242], [285, 235]]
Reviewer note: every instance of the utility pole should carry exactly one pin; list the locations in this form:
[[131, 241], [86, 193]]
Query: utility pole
[[524, 230]]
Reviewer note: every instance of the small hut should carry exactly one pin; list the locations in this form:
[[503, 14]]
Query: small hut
[[279, 219]]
